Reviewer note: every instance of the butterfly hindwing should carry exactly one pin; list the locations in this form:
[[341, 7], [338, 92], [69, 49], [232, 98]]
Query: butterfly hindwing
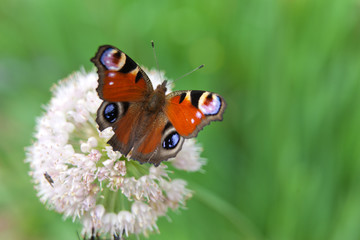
[[190, 111], [120, 78], [160, 141], [122, 117]]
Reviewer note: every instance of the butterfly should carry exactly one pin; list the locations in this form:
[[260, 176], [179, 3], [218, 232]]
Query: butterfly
[[149, 125]]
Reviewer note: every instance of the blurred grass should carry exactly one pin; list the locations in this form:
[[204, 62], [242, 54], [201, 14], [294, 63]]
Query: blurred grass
[[284, 163]]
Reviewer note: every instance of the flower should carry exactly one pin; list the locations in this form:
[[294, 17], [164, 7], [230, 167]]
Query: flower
[[77, 174]]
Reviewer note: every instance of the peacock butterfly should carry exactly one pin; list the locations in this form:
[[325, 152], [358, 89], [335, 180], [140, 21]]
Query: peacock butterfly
[[147, 123]]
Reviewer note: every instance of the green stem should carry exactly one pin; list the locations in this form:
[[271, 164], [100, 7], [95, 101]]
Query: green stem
[[112, 203], [239, 220]]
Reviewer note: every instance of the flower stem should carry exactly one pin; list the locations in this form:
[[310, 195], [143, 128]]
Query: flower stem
[[240, 221]]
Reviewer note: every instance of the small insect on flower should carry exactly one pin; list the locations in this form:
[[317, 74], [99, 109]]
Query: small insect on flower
[[49, 179]]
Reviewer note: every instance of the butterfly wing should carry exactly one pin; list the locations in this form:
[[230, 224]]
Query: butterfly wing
[[123, 85], [160, 141], [120, 78], [190, 111], [123, 118]]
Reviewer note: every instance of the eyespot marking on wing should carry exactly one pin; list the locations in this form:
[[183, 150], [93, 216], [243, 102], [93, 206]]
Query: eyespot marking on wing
[[171, 141], [209, 104], [112, 59], [111, 112]]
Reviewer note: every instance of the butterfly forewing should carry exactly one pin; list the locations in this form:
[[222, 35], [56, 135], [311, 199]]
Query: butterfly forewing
[[120, 78], [190, 111]]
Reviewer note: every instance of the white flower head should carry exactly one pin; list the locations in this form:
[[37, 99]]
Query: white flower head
[[77, 174]]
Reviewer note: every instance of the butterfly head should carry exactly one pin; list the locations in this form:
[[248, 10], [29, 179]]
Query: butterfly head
[[161, 88], [163, 85]]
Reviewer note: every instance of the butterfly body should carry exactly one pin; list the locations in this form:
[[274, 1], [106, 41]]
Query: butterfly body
[[156, 100], [149, 124]]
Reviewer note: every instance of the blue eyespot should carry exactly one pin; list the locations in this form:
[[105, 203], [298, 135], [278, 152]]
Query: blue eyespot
[[171, 140], [110, 58], [111, 112]]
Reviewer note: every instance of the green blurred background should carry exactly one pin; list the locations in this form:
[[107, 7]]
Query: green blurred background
[[284, 163]]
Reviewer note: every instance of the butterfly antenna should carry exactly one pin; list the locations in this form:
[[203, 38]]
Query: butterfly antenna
[[201, 66], [156, 61]]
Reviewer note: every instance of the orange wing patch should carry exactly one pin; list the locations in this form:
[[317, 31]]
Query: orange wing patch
[[123, 129], [184, 116], [123, 87], [151, 141]]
